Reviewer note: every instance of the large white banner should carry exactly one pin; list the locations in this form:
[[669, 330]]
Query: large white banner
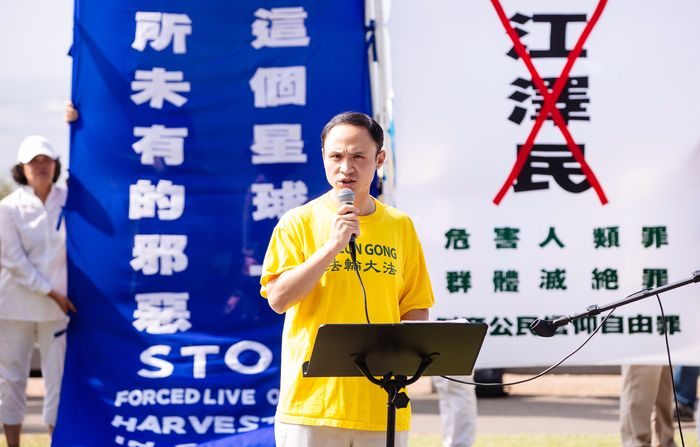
[[549, 153]]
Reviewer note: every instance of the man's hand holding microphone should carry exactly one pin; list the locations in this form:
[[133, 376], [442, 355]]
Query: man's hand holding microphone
[[346, 226]]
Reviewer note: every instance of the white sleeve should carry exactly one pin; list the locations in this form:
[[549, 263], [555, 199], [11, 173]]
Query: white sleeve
[[14, 258]]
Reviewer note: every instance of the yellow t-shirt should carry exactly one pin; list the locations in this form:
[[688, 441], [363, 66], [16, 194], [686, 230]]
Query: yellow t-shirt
[[390, 260]]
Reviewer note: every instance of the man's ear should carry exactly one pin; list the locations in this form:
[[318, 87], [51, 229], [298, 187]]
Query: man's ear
[[381, 156]]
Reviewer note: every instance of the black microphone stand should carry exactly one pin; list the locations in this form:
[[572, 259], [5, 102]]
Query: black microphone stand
[[393, 385], [547, 328]]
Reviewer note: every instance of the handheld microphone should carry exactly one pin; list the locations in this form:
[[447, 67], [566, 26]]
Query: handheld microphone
[[346, 196]]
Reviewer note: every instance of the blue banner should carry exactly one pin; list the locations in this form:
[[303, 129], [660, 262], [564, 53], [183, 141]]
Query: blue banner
[[199, 128]]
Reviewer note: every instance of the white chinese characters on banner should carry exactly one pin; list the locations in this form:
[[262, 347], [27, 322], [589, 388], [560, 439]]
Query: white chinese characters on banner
[[277, 143], [159, 146], [165, 199], [280, 27], [160, 141], [279, 86], [161, 30], [271, 203], [162, 254], [274, 87], [162, 313], [157, 86]]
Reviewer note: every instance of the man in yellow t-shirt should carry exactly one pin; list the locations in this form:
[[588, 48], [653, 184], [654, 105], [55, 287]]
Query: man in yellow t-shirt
[[309, 275]]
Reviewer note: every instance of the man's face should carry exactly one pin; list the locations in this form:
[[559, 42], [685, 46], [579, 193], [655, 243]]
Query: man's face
[[350, 158]]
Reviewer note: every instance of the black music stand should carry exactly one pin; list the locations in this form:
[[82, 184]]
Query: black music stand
[[393, 352]]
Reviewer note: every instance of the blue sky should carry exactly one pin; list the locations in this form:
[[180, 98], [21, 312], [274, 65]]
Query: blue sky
[[34, 74]]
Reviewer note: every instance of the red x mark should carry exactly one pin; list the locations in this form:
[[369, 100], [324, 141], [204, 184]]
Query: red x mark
[[550, 101]]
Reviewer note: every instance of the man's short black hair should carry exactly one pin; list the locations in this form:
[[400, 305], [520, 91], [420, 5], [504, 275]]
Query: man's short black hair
[[18, 173], [356, 119]]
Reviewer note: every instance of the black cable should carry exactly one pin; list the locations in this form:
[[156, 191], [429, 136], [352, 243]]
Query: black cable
[[670, 368], [546, 370], [364, 292], [356, 267]]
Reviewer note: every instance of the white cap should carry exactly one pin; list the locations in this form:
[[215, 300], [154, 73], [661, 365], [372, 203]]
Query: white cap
[[32, 146]]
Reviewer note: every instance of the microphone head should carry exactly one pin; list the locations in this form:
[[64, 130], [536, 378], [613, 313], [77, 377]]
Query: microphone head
[[543, 328], [346, 195]]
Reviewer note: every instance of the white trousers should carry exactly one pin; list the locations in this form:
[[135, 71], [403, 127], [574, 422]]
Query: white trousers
[[457, 411], [293, 435], [17, 340]]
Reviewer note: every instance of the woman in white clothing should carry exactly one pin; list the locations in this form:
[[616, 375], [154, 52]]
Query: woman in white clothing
[[33, 301]]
